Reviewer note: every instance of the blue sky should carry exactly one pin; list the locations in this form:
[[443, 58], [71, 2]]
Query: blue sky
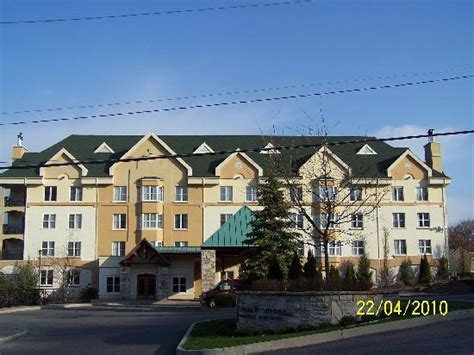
[[94, 62]]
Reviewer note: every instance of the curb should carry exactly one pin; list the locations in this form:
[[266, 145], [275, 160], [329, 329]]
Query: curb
[[11, 337], [19, 309], [305, 340]]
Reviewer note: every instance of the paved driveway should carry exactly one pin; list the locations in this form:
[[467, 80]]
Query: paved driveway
[[95, 331]]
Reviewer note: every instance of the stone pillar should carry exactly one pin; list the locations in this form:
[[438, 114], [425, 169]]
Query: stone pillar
[[208, 269], [125, 282], [162, 283]]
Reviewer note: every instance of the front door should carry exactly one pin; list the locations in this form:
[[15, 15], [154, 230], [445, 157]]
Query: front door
[[146, 286]]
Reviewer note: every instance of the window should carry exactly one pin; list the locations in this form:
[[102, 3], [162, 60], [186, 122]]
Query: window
[[46, 278], [152, 221], [157, 243], [120, 194], [358, 247], [179, 284], [423, 220], [326, 193], [356, 194], [181, 221], [49, 221], [181, 244], [73, 277], [119, 221], [74, 249], [400, 247], [425, 246], [251, 193], [398, 220], [118, 248], [76, 193], [227, 275], [113, 284], [181, 193], [152, 193], [300, 249], [296, 193], [226, 194], [357, 220], [225, 217], [47, 248], [297, 219], [422, 193], [75, 221], [334, 248], [397, 193], [50, 193], [324, 222]]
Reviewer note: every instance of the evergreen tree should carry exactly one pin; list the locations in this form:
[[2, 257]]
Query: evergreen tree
[[271, 235], [405, 273], [295, 271], [443, 269], [364, 274], [425, 270], [27, 278], [310, 267], [334, 278], [349, 283], [275, 271]]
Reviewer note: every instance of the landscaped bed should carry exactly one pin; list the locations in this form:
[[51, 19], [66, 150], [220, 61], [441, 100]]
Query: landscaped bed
[[224, 333]]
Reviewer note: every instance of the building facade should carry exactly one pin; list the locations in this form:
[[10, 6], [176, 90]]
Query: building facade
[[116, 213]]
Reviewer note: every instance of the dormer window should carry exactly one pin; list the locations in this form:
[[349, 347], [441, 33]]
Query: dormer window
[[367, 150], [204, 148], [268, 149], [104, 148]]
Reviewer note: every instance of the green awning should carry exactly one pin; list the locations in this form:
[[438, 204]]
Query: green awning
[[233, 232], [178, 250]]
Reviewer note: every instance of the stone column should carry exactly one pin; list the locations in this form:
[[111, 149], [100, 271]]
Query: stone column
[[208, 269], [125, 282], [163, 286]]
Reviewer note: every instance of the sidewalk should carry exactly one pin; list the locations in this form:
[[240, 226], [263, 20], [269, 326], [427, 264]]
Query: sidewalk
[[146, 304], [9, 333]]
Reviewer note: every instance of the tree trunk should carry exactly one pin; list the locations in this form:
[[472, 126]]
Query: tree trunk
[[326, 262]]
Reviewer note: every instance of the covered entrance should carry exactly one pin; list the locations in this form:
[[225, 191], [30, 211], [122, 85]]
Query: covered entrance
[[146, 286]]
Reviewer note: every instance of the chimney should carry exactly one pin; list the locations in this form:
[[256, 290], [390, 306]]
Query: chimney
[[18, 150], [433, 153]]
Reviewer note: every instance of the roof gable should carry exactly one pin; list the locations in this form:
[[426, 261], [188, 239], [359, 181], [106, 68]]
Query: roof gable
[[244, 156], [203, 149], [104, 148], [54, 160], [366, 150], [408, 153], [144, 253]]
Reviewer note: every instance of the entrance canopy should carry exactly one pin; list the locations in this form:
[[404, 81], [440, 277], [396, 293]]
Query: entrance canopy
[[144, 253]]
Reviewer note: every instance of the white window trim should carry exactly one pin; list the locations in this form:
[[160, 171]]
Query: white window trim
[[395, 188], [181, 222], [118, 242], [75, 221], [157, 220], [424, 220], [362, 221], [255, 194], [44, 194], [52, 279], [358, 248], [231, 193], [424, 247], [176, 194], [395, 249], [74, 248], [113, 224], [82, 193], [126, 194], [49, 221], [404, 220], [113, 283]]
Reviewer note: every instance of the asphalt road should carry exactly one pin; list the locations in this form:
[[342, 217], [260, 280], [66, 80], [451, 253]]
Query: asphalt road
[[92, 331], [455, 337]]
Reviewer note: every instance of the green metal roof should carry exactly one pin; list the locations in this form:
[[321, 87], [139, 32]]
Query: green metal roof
[[178, 250], [82, 147], [233, 232]]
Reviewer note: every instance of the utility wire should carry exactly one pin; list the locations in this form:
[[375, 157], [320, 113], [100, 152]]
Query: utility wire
[[240, 102], [157, 13], [246, 150], [249, 91]]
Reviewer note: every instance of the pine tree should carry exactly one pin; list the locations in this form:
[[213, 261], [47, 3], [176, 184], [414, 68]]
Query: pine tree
[[443, 269], [425, 270], [364, 274], [405, 273], [349, 283], [275, 271], [271, 235], [334, 278], [295, 271], [310, 267]]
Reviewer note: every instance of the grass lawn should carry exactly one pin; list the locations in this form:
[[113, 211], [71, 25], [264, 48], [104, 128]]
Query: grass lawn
[[223, 333]]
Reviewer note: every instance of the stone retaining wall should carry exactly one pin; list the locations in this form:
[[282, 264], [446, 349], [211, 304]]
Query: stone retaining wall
[[277, 310]]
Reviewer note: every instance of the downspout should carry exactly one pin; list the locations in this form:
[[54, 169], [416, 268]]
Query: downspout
[[445, 225], [202, 212], [96, 218], [377, 220]]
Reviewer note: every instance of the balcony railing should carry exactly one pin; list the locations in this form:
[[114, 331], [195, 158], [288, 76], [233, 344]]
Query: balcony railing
[[13, 229], [13, 202]]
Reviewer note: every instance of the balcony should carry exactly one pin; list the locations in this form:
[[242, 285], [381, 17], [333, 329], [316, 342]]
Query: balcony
[[13, 202], [13, 229]]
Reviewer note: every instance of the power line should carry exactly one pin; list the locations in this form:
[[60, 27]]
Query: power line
[[157, 13], [246, 150], [226, 93], [240, 102]]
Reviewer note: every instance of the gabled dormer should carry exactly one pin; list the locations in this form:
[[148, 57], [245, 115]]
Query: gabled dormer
[[204, 148], [366, 150], [104, 148], [269, 149]]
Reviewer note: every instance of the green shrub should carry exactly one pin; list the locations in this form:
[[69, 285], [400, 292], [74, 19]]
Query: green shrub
[[268, 285], [306, 327], [310, 267], [424, 275], [88, 293], [364, 274], [405, 273], [334, 278], [347, 320], [349, 281], [296, 270], [275, 271], [443, 269], [225, 300]]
